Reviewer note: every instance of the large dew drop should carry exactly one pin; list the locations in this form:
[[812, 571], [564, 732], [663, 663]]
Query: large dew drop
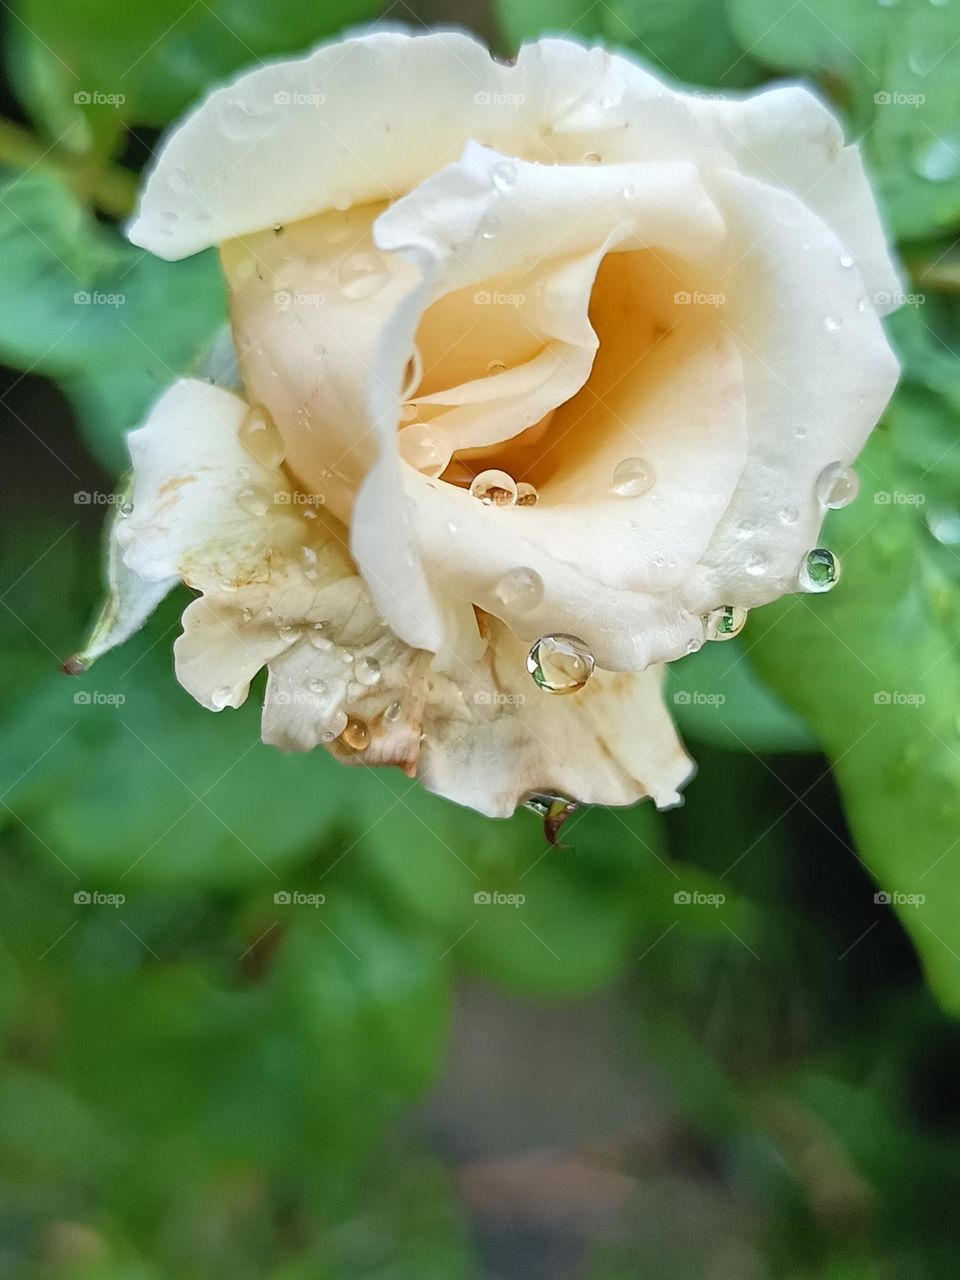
[[724, 623], [362, 275], [367, 672], [255, 500], [356, 734], [819, 570], [837, 485], [520, 588], [632, 477], [423, 447], [494, 489], [560, 664], [260, 437], [527, 495]]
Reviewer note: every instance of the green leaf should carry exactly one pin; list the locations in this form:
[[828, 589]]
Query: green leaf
[[716, 697], [148, 63], [660, 30], [113, 324], [896, 70], [873, 669]]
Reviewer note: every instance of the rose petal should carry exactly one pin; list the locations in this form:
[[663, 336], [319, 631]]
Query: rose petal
[[193, 490], [818, 374], [786, 137], [342, 127]]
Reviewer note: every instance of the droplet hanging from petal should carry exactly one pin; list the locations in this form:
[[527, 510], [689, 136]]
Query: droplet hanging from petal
[[724, 623], [560, 663], [819, 570]]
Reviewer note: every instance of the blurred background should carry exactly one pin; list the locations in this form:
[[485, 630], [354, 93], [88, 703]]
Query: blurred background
[[254, 1021]]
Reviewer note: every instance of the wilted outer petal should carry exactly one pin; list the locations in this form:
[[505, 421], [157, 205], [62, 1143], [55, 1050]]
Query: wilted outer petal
[[190, 474], [280, 590]]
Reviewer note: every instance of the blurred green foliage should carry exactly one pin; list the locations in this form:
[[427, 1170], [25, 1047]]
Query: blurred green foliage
[[215, 1075]]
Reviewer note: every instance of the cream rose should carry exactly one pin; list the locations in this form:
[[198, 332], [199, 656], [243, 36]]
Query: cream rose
[[547, 373]]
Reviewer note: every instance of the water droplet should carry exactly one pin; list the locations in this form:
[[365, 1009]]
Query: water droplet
[[362, 275], [788, 515], [504, 175], [938, 160], [423, 447], [341, 201], [334, 726], [924, 57], [412, 379], [945, 526], [494, 489], [451, 527], [592, 157], [255, 500], [317, 686], [629, 192], [495, 367], [846, 260], [126, 509], [288, 632], [318, 637], [724, 623], [800, 433], [519, 588], [756, 566], [241, 121], [367, 671], [694, 645], [832, 323], [560, 663], [261, 439], [408, 413], [819, 570], [527, 495], [837, 485], [632, 477], [246, 614], [488, 228], [392, 712], [356, 734], [220, 697], [745, 529]]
